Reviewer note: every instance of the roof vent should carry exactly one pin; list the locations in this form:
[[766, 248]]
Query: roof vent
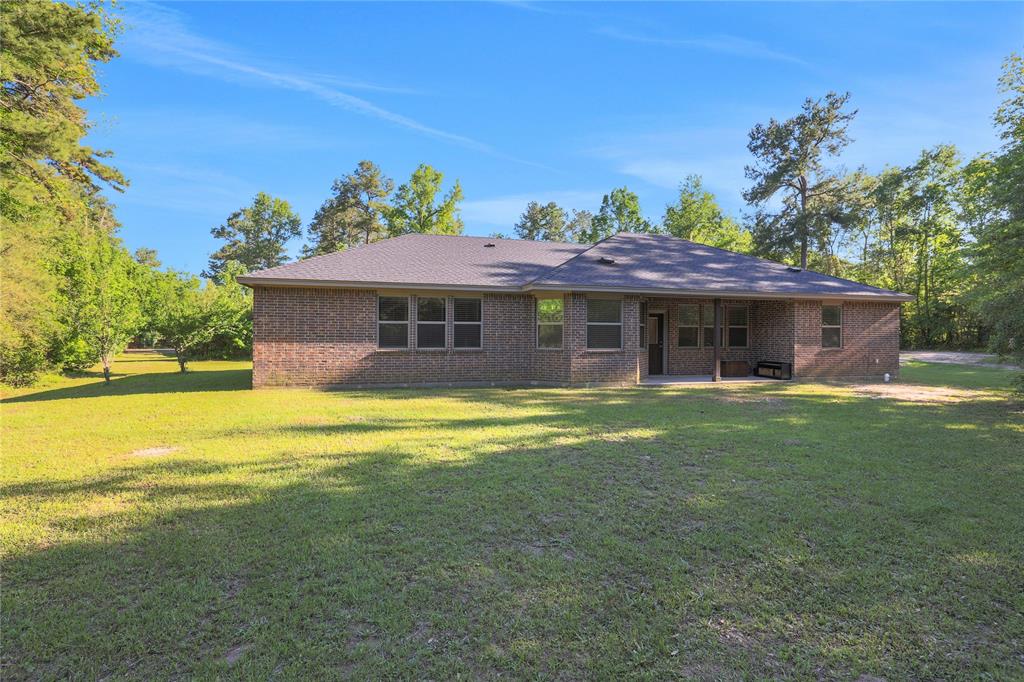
[[604, 260], [793, 268], [489, 245]]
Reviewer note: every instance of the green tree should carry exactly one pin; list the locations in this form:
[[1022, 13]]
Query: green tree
[[580, 226], [542, 222], [354, 214], [415, 207], [255, 236], [50, 51], [620, 212], [790, 160], [696, 216], [998, 254], [192, 315]]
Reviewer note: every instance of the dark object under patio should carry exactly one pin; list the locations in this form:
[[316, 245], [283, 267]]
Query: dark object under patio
[[775, 370], [735, 368]]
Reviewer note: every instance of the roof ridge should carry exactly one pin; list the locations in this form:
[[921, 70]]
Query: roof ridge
[[566, 262]]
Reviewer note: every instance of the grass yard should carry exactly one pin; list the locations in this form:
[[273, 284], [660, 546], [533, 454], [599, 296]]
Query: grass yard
[[176, 525]]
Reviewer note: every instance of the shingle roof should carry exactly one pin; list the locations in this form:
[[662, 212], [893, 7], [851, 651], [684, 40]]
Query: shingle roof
[[649, 262], [424, 259], [644, 263]]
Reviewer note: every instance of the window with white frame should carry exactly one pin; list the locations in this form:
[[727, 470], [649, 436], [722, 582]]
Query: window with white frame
[[604, 324], [831, 326], [689, 325], [393, 321], [431, 321], [737, 321], [467, 323], [550, 321]]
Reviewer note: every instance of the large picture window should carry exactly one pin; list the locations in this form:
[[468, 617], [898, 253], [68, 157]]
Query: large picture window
[[604, 324], [689, 325], [737, 333], [831, 326], [431, 318], [550, 321], [393, 322], [468, 323]]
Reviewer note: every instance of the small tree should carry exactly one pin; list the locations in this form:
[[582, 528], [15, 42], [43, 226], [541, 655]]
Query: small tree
[[192, 315], [542, 222], [112, 310], [255, 236], [415, 208]]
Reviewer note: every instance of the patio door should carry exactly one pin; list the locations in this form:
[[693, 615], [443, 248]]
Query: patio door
[[656, 343]]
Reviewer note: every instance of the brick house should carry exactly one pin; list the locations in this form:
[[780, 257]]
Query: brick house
[[433, 309]]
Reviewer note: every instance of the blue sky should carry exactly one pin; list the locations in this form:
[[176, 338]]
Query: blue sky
[[210, 103]]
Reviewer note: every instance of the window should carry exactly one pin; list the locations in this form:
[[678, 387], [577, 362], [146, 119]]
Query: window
[[550, 317], [708, 310], [737, 330], [392, 322], [643, 325], [689, 325], [468, 329], [604, 324], [831, 326], [430, 322]]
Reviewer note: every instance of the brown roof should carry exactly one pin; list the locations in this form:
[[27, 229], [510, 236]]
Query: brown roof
[[654, 263], [642, 263]]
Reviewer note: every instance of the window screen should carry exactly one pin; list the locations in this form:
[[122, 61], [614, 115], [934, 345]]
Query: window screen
[[604, 324], [831, 326], [431, 316], [468, 323], [393, 322], [689, 325]]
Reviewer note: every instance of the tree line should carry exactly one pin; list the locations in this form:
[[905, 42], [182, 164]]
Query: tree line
[[947, 230]]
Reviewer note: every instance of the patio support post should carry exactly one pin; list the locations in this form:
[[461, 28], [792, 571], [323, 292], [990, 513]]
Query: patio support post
[[716, 370]]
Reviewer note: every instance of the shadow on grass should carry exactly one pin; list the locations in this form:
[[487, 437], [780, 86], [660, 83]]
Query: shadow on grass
[[157, 382], [594, 558]]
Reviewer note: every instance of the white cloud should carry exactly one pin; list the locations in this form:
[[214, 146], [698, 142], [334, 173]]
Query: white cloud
[[160, 35], [724, 44]]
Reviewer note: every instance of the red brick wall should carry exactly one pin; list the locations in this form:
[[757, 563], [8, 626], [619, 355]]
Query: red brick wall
[[318, 337], [871, 341], [322, 337]]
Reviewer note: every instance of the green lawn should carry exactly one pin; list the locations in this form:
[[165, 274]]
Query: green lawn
[[759, 530]]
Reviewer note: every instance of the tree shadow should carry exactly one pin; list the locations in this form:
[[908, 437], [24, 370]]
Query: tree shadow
[[156, 382], [592, 548]]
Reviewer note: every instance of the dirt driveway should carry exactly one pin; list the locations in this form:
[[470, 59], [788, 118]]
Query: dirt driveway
[[953, 357]]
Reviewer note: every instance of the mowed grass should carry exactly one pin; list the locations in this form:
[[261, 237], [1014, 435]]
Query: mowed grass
[[183, 526]]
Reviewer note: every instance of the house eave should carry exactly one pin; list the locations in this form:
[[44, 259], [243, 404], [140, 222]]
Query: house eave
[[724, 293], [344, 284], [544, 288]]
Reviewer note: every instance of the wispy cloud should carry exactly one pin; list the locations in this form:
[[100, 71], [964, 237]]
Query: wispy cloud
[[161, 35], [724, 44]]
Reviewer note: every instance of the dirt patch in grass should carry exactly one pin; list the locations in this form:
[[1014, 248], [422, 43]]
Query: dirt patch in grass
[[235, 653], [154, 452], [915, 393]]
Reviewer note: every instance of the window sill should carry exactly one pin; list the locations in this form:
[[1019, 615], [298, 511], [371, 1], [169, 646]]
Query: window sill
[[394, 350], [431, 350], [606, 350], [549, 350], [468, 350]]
